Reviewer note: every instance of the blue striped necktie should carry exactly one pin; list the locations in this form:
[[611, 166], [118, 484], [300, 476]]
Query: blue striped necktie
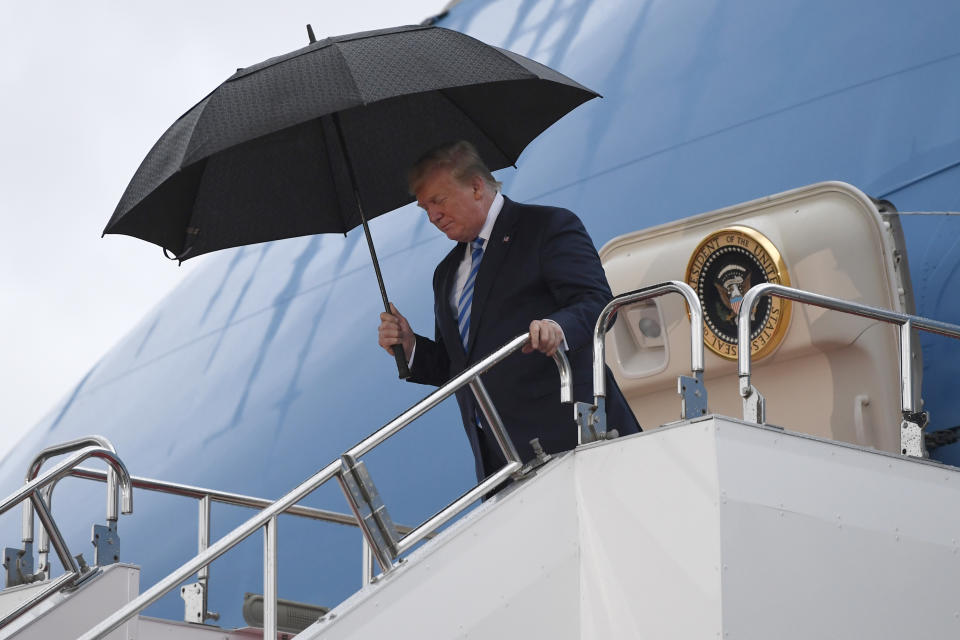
[[466, 297]]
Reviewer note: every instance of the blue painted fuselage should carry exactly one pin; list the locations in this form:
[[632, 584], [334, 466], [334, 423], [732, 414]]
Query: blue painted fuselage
[[263, 365]]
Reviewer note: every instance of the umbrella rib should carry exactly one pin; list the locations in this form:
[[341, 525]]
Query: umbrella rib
[[346, 64], [335, 120], [512, 161]]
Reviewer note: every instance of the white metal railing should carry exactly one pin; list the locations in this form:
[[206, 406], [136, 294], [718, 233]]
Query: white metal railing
[[911, 437], [33, 490], [204, 497], [196, 600], [592, 418], [27, 531], [370, 514]]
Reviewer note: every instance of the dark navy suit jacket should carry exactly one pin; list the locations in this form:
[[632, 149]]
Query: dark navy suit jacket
[[539, 263]]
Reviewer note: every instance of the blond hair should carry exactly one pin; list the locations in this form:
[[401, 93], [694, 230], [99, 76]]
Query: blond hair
[[460, 157]]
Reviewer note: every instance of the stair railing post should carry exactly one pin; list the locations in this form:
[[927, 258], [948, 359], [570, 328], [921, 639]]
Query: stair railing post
[[270, 579]]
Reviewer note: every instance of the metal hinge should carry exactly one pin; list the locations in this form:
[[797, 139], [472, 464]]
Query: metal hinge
[[368, 507]]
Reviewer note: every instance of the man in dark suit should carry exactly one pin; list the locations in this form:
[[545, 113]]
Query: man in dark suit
[[516, 268]]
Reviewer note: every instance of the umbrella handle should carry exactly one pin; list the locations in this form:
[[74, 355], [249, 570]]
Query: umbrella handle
[[402, 369]]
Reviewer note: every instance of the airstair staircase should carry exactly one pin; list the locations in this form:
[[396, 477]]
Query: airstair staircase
[[711, 526]]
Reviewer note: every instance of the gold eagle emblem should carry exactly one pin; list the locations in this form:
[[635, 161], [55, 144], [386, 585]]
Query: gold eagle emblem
[[724, 266]]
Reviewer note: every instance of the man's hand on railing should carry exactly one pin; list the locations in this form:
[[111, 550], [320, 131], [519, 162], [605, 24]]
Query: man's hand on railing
[[394, 329], [546, 336]]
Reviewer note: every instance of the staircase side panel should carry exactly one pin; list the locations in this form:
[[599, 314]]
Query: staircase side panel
[[650, 532], [823, 540], [67, 615], [508, 570]]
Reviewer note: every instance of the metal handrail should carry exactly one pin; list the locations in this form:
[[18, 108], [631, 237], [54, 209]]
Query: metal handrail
[[149, 484], [205, 497], [906, 322], [174, 488], [454, 384], [32, 491], [592, 419], [213, 552], [56, 450], [113, 493], [64, 468], [224, 497], [267, 517], [631, 297]]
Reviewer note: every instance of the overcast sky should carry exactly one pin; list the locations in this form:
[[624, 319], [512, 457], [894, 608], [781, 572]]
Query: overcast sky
[[86, 88]]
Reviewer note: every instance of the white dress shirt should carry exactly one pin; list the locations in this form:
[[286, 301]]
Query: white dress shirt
[[463, 271]]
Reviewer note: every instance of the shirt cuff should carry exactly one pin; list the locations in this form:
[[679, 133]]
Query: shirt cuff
[[413, 352]]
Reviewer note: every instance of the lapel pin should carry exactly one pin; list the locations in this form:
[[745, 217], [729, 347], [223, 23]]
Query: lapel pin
[[506, 238]]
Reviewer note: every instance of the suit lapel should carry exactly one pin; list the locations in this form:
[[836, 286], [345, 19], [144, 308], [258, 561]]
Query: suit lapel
[[493, 257], [447, 321]]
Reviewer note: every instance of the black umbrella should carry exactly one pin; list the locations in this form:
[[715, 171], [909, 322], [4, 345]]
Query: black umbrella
[[319, 140]]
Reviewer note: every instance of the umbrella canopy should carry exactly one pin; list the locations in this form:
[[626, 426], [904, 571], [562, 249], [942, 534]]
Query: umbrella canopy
[[297, 144], [319, 140]]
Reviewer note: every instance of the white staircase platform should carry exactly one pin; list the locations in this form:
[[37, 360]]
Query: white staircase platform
[[708, 529], [67, 614]]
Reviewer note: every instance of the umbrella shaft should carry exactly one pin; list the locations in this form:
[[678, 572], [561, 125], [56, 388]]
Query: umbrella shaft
[[402, 370], [363, 217], [398, 354], [373, 255]]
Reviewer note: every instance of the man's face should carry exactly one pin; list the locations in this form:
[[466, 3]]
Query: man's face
[[457, 209]]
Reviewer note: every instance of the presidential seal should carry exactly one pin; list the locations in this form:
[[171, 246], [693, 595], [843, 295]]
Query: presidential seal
[[721, 270]]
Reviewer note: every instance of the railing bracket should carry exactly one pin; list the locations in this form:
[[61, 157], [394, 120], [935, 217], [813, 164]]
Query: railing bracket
[[195, 604], [84, 572], [193, 609], [106, 544], [754, 405], [592, 422], [371, 513], [19, 565], [693, 396], [911, 433], [540, 458]]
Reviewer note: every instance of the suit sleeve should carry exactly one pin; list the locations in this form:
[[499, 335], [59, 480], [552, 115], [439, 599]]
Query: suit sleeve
[[431, 364], [574, 275]]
